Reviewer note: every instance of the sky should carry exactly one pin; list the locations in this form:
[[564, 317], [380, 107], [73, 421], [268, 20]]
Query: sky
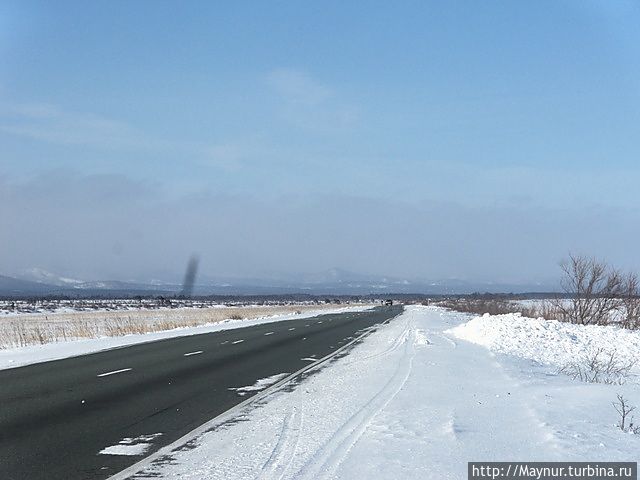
[[473, 140]]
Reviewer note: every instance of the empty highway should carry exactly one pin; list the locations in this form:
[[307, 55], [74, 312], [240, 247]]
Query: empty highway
[[56, 417]]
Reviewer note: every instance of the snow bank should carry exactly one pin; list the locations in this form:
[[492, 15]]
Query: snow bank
[[547, 341]]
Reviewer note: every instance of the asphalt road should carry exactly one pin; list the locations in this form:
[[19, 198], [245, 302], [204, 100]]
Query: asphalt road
[[56, 417]]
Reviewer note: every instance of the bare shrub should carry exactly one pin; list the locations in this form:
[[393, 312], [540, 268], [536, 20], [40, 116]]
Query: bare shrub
[[544, 309], [593, 288], [599, 366], [624, 410], [630, 300], [479, 306]]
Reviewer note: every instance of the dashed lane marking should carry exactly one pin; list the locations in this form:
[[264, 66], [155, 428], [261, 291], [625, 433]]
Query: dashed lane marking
[[106, 374]]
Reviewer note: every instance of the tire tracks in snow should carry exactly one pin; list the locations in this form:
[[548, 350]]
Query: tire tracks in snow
[[451, 342], [325, 462], [285, 450], [397, 343]]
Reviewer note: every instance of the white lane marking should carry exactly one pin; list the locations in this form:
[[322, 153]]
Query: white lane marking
[[193, 353], [319, 322], [269, 333], [292, 328], [226, 341], [114, 372], [307, 325], [237, 341], [309, 359]]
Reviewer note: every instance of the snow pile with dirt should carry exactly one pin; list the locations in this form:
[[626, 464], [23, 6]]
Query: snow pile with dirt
[[410, 402], [547, 341]]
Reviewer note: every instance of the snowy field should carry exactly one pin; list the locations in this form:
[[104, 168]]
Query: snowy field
[[205, 321], [415, 401]]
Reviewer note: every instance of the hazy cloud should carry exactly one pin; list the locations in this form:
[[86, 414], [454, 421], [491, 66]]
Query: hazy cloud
[[52, 124], [298, 87], [309, 103], [49, 123], [113, 227]]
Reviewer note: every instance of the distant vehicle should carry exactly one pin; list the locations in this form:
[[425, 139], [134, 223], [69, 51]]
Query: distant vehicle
[[388, 302]]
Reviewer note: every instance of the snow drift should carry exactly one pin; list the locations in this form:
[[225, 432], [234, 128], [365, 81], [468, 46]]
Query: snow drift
[[547, 341]]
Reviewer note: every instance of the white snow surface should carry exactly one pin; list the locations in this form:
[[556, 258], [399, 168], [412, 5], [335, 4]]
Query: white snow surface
[[131, 446], [260, 384], [411, 402], [547, 341], [17, 357]]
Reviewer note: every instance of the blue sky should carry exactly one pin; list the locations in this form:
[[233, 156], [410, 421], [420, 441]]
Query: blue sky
[[527, 112]]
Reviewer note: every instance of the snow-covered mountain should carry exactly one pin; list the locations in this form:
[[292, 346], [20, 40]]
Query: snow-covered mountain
[[40, 275], [335, 281]]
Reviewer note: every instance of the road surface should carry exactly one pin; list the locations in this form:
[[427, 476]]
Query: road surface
[[56, 417]]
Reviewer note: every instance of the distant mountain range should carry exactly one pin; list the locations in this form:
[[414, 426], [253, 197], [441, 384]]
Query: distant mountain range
[[39, 282]]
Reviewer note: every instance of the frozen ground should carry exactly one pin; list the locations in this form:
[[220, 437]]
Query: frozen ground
[[411, 401], [16, 357]]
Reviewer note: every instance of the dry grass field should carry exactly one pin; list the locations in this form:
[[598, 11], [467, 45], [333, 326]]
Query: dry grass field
[[39, 328]]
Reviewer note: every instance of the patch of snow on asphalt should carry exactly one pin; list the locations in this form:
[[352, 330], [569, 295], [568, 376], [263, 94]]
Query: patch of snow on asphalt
[[260, 384], [131, 446]]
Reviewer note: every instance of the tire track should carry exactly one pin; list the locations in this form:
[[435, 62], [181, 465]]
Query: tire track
[[328, 458], [402, 338], [283, 453], [451, 342]]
